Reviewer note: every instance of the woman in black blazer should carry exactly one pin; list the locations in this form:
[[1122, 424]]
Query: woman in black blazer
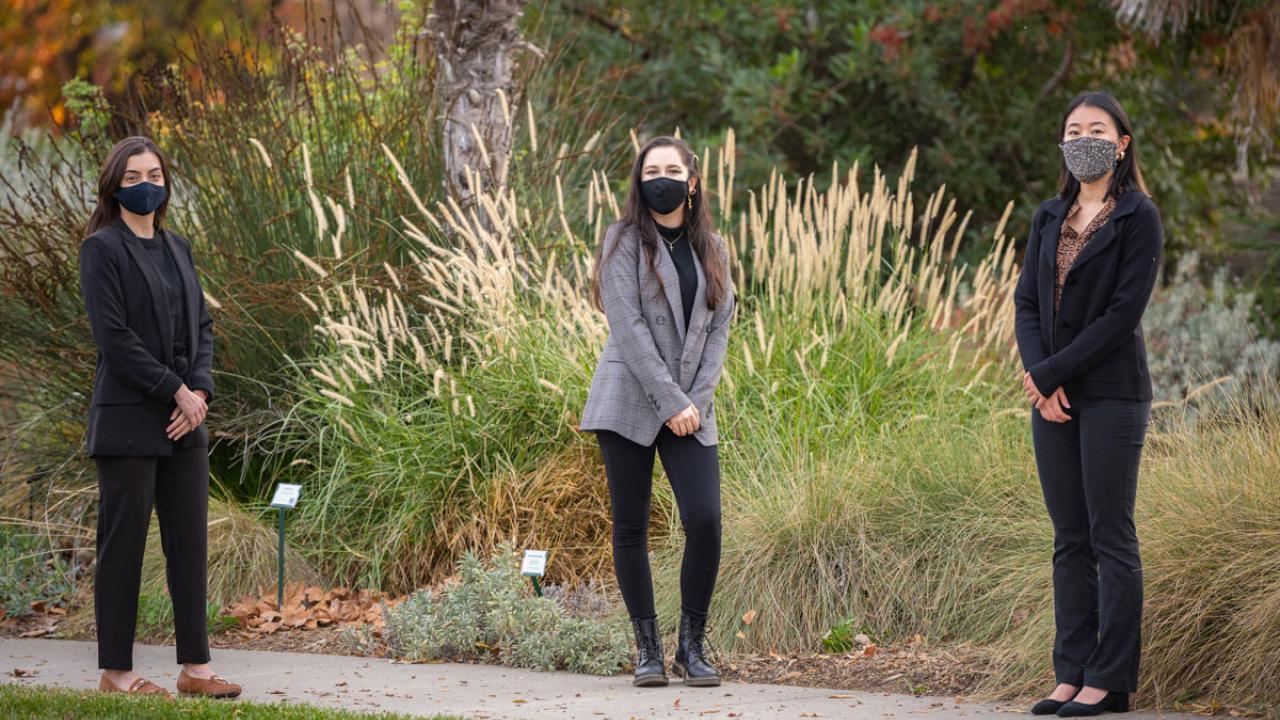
[[146, 429], [1091, 264]]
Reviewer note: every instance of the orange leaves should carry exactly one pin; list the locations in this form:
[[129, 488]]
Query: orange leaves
[[309, 608], [747, 618]]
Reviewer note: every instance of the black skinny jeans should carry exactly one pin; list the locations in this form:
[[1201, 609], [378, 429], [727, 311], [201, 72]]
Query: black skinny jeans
[[1089, 473], [694, 472], [178, 486]]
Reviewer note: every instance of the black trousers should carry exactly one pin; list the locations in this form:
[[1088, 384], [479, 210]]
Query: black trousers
[[694, 472], [1089, 475], [178, 486]]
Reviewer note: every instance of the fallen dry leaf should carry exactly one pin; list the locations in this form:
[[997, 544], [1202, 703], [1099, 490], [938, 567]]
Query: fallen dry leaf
[[38, 632], [749, 617]]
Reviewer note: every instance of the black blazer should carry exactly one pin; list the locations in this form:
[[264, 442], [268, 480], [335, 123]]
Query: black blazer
[[1094, 349], [128, 309]]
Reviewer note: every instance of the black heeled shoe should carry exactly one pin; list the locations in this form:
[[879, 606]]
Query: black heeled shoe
[[1116, 702], [1047, 706], [650, 666], [691, 661]]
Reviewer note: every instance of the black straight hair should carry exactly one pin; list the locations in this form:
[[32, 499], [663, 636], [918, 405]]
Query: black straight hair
[[1127, 174]]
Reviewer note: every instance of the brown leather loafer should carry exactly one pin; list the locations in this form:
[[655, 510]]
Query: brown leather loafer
[[140, 686], [214, 687]]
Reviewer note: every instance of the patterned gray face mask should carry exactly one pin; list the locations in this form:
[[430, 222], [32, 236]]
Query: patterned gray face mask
[[1089, 158]]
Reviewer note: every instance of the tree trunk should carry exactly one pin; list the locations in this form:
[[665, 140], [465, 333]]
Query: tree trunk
[[475, 46]]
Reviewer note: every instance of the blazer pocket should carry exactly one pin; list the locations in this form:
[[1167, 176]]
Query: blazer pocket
[[116, 395]]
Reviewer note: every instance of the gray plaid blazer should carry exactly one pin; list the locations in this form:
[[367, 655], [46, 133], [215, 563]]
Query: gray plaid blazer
[[652, 367]]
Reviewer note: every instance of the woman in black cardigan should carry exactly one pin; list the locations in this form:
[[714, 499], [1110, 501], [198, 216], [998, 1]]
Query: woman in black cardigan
[[1091, 263], [146, 429]]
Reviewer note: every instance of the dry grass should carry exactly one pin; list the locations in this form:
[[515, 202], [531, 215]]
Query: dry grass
[[563, 504]]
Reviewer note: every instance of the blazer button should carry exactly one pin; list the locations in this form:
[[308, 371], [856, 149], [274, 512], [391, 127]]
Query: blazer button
[[661, 320]]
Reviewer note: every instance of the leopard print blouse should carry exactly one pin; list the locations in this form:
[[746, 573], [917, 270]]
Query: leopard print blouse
[[1070, 244]]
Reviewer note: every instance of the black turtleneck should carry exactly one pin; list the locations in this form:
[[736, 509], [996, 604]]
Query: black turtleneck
[[166, 266], [676, 242]]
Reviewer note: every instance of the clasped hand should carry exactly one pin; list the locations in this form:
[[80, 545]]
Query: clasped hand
[[1051, 408], [686, 422], [192, 406]]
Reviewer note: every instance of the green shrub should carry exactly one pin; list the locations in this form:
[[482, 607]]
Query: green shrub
[[841, 637], [30, 572], [490, 613], [1198, 335]]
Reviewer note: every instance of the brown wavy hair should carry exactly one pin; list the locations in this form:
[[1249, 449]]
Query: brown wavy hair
[[112, 174], [697, 219]]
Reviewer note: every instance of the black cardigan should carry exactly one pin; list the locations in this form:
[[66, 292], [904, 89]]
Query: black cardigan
[[128, 309], [1094, 348]]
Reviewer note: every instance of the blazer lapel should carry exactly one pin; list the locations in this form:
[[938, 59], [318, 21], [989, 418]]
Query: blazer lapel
[[1049, 236], [698, 314], [1107, 233], [671, 285], [159, 299], [1051, 233]]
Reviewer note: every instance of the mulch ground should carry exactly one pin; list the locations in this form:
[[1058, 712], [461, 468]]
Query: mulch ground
[[914, 669]]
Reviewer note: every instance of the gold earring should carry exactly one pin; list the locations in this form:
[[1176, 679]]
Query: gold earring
[[689, 199], [1121, 155]]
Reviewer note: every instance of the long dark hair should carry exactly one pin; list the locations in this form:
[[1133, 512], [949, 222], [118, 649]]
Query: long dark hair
[[109, 182], [697, 220], [1128, 173]]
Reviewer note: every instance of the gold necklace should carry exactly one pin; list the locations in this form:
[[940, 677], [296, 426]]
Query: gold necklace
[[671, 244]]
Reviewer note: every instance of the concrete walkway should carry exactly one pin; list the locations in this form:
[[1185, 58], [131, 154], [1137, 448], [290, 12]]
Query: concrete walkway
[[480, 691]]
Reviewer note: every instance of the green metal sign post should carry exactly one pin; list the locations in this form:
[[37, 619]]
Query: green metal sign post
[[286, 497]]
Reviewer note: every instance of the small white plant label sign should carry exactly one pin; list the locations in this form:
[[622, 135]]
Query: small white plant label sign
[[286, 495], [535, 562]]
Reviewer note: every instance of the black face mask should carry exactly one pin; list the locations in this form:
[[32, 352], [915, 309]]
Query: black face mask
[[142, 198], [664, 195]]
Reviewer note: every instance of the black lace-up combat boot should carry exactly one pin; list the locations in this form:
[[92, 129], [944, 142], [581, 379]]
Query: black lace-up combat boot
[[650, 665], [690, 661]]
